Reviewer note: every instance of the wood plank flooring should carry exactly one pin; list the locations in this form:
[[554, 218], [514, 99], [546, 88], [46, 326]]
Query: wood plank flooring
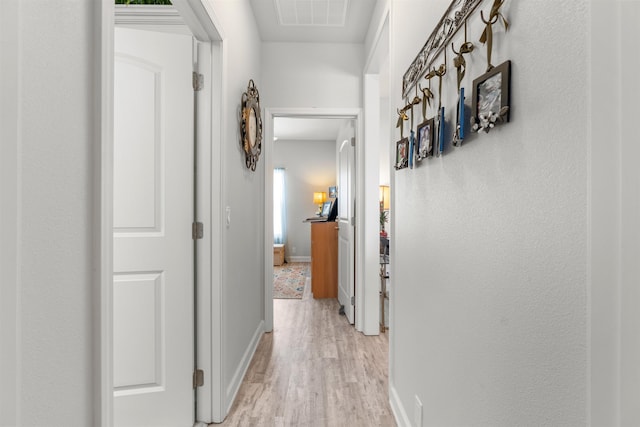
[[314, 370]]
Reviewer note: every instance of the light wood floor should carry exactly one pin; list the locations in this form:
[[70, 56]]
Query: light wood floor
[[314, 370]]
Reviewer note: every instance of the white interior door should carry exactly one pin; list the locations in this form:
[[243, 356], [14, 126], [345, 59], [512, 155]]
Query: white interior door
[[346, 221], [153, 329]]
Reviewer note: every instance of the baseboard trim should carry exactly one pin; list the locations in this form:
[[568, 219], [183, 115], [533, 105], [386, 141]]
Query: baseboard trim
[[299, 259], [398, 410], [236, 381]]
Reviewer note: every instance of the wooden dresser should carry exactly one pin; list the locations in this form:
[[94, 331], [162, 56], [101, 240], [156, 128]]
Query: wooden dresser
[[324, 259]]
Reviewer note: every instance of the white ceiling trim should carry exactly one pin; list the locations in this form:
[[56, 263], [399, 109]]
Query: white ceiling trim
[[147, 15]]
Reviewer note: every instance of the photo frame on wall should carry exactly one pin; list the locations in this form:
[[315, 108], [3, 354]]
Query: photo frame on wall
[[412, 147], [425, 145], [333, 192], [440, 134], [402, 153], [461, 121], [491, 98]]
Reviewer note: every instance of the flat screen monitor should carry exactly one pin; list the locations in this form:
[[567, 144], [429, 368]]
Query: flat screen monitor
[[326, 209], [334, 211]]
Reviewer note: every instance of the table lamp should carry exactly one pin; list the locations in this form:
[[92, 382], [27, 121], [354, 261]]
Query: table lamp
[[385, 198], [319, 197]]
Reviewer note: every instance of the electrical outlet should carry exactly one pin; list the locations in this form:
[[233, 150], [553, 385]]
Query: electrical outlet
[[417, 412]]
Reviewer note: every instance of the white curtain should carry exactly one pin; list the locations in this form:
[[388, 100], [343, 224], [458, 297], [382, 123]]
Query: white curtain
[[279, 206]]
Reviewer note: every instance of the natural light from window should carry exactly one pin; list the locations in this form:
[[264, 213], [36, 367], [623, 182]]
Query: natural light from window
[[278, 206]]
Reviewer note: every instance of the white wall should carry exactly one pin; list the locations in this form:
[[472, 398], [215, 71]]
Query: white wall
[[310, 166], [303, 75], [48, 145], [243, 194], [495, 335], [615, 205], [384, 163], [630, 232], [489, 245]]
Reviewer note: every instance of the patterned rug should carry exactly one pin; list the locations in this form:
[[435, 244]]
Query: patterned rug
[[289, 278]]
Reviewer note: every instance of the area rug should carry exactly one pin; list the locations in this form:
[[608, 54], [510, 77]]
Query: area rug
[[289, 278]]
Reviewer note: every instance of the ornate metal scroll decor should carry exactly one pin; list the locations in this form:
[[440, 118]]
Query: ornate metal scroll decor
[[451, 21]]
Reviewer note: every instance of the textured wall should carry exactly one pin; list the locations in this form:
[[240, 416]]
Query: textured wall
[[630, 232], [303, 75], [489, 241], [243, 193], [50, 211]]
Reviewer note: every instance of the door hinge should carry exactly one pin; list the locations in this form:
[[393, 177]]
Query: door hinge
[[353, 142], [353, 300], [197, 230], [198, 378], [198, 81]]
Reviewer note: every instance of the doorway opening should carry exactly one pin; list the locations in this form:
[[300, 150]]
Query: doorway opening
[[273, 116], [206, 46], [304, 160]]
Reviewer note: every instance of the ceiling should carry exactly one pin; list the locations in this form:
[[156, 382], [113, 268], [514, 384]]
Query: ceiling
[[313, 21], [306, 129]]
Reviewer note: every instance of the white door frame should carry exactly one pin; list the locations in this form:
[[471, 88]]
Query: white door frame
[[363, 289], [201, 20]]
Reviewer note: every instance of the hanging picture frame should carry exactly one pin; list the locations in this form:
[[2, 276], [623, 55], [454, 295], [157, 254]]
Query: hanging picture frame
[[402, 154], [412, 146], [425, 144], [491, 98], [461, 121], [440, 134]]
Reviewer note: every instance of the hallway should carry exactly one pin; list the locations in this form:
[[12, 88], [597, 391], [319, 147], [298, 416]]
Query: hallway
[[314, 370]]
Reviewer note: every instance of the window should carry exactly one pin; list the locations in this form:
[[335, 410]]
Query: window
[[279, 206]]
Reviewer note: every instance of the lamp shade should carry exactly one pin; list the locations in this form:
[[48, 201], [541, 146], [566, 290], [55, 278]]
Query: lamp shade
[[319, 197], [385, 197]]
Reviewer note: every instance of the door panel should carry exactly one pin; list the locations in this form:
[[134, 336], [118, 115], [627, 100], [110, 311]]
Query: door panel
[[138, 331], [153, 212], [346, 204], [137, 203]]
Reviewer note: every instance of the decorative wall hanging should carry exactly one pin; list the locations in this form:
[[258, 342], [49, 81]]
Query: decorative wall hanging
[[402, 146], [412, 135], [487, 34], [491, 98], [251, 126], [440, 139], [402, 153], [461, 120], [440, 72], [425, 143], [440, 123], [459, 62], [461, 67], [402, 116], [450, 22], [426, 129], [427, 95]]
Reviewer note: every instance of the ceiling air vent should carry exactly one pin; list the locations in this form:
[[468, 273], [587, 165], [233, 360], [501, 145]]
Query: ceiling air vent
[[315, 13]]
